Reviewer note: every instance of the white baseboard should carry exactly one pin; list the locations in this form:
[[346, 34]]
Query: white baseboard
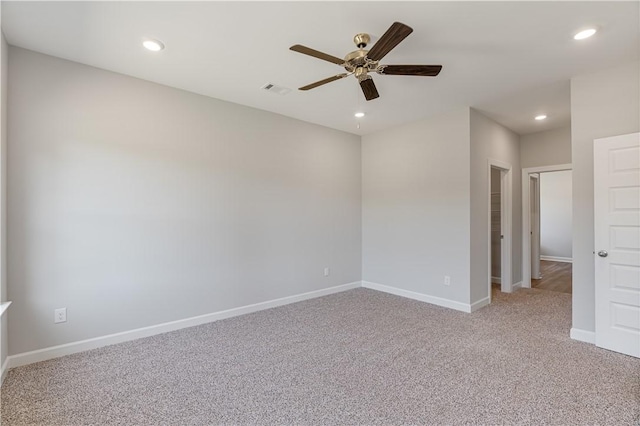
[[480, 304], [125, 336], [557, 259], [516, 286], [496, 280], [583, 335], [447, 303], [3, 370], [3, 307]]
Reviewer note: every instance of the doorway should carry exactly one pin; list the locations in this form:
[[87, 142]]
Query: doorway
[[534, 209], [499, 250], [546, 228]]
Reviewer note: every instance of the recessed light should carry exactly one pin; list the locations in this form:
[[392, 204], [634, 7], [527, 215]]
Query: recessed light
[[153, 45], [540, 117], [359, 114], [585, 34]]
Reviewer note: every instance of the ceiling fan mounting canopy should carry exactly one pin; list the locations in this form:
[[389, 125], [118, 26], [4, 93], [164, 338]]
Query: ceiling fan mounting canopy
[[361, 62], [361, 40]]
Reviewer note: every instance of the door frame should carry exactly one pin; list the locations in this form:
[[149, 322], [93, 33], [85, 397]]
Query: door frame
[[526, 216], [506, 220]]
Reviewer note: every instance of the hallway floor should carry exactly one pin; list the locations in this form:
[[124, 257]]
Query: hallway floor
[[556, 276]]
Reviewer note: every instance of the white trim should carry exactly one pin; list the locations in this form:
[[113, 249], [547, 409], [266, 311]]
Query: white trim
[[506, 220], [517, 286], [556, 259], [4, 370], [496, 280], [125, 336], [526, 217], [583, 335], [480, 304], [447, 303], [3, 307]]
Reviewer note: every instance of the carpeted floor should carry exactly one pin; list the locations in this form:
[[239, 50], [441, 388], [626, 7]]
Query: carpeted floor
[[358, 357]]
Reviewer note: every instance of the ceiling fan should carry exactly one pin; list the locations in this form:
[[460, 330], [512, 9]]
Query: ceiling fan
[[361, 62]]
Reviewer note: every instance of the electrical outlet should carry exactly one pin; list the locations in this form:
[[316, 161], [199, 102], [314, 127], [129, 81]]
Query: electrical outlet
[[447, 280], [60, 315], [326, 272]]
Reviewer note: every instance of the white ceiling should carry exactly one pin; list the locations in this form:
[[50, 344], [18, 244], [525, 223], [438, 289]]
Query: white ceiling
[[511, 60], [518, 109]]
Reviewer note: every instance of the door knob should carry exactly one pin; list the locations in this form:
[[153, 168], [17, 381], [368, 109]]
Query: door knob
[[603, 253]]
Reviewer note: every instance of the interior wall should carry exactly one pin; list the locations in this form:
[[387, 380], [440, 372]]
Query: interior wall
[[490, 140], [133, 204], [415, 206], [547, 148], [556, 236], [606, 103]]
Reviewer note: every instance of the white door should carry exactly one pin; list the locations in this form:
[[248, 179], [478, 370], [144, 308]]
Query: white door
[[617, 242]]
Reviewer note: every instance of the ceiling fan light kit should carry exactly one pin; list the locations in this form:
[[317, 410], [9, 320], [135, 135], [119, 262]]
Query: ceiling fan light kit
[[360, 63]]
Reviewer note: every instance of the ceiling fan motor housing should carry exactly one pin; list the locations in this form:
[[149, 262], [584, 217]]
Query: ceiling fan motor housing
[[357, 62]]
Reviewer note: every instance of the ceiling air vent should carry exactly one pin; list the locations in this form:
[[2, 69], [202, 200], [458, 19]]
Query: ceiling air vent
[[274, 88]]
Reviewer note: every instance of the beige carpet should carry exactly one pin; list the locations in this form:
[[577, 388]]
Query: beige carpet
[[359, 357]]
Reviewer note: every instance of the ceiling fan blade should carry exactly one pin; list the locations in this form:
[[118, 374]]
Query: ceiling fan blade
[[325, 81], [316, 54], [421, 70], [369, 89], [390, 39]]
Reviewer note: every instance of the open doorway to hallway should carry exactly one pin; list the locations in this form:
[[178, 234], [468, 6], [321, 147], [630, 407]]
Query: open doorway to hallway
[[553, 232], [548, 228]]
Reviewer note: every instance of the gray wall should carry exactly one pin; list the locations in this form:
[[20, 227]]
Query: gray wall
[[133, 204], [602, 104], [492, 140], [4, 56], [547, 148], [555, 214], [415, 212]]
